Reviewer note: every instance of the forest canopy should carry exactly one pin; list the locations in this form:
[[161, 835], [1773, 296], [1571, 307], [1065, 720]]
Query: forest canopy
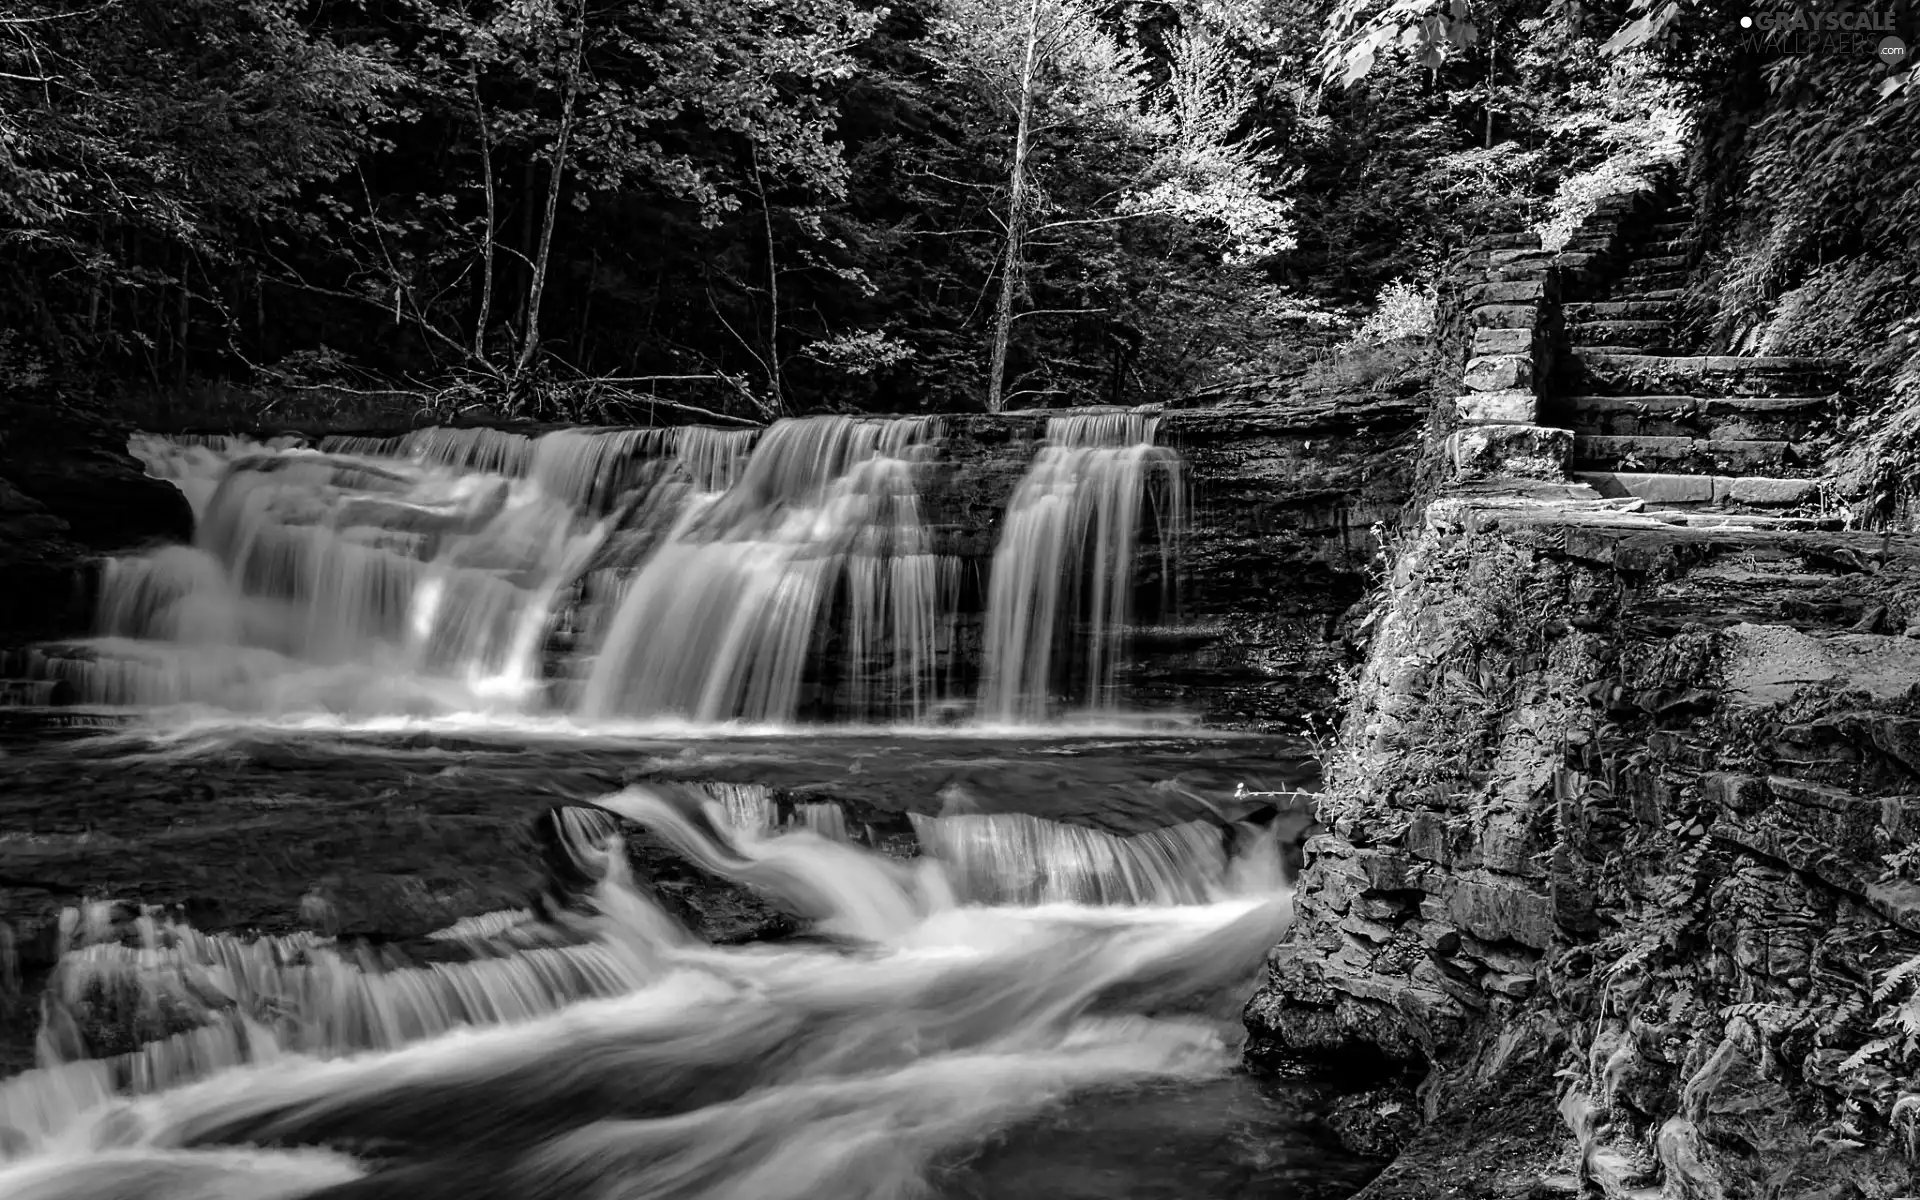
[[757, 207]]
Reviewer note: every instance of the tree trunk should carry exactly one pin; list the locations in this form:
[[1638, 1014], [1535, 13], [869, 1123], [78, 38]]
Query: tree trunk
[[1493, 49], [586, 313], [181, 320], [486, 246], [1012, 266], [530, 177], [776, 392], [555, 177]]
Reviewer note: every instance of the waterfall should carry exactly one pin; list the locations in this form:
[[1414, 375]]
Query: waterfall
[[723, 620], [353, 582], [658, 575], [1062, 588]]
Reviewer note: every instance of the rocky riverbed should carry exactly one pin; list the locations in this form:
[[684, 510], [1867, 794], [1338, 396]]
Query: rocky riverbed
[[388, 836]]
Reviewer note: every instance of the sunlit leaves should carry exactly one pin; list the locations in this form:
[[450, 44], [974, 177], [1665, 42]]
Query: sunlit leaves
[[1645, 28], [1211, 169]]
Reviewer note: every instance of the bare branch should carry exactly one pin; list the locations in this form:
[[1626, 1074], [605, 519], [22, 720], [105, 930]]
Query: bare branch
[[1055, 312]]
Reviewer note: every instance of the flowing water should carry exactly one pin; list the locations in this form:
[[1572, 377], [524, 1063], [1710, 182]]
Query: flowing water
[[954, 1010], [782, 846], [693, 575]]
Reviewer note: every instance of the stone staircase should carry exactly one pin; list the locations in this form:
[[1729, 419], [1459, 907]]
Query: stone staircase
[[1690, 435], [1625, 814]]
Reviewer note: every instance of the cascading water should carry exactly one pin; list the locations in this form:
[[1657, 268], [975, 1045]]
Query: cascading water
[[918, 986], [340, 581], [687, 575], [723, 620], [1061, 595], [615, 1053]]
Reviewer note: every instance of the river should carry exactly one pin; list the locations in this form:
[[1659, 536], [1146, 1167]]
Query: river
[[624, 816]]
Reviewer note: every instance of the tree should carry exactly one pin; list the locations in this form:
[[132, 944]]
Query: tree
[[1059, 68], [149, 155], [702, 105]]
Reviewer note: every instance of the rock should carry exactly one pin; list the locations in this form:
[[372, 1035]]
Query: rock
[[1515, 292], [1504, 316], [1430, 837], [1736, 793], [1523, 240], [1499, 373], [717, 909], [1493, 909], [1770, 663], [1502, 341], [1375, 1123], [1517, 987], [1495, 451], [1772, 492], [1899, 739], [69, 492], [1497, 408]]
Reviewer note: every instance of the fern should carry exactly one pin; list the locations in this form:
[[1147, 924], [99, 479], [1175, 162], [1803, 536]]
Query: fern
[[1633, 958], [1894, 977], [1682, 1004], [1766, 1015], [1907, 1017], [1859, 1058]]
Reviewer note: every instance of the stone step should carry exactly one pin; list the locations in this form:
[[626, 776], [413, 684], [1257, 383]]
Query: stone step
[[1649, 337], [1701, 491], [1600, 237], [1705, 375], [1638, 280], [1737, 520], [1669, 229], [1623, 295], [1733, 418], [1644, 263], [1617, 310], [1689, 455], [1681, 245]]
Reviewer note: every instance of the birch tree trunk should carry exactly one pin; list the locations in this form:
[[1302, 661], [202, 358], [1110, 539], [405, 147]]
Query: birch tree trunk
[[556, 177], [1012, 267], [486, 246], [773, 288]]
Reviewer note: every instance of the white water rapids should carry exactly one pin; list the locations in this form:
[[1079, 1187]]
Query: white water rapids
[[614, 1055]]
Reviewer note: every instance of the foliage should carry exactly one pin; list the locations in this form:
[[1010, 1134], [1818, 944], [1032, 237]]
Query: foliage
[[1461, 619], [1637, 141], [1401, 311], [733, 207]]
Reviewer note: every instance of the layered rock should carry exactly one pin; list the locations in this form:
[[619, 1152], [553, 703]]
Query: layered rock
[[69, 493], [1621, 839]]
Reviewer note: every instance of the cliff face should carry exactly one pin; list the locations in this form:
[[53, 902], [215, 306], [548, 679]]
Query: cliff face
[[1622, 822], [69, 492]]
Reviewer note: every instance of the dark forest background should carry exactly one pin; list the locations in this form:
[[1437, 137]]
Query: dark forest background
[[756, 207]]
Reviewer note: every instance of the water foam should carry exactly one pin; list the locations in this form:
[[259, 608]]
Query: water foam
[[780, 1070]]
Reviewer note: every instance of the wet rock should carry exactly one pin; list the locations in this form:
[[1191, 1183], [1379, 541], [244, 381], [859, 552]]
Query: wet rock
[[69, 491], [1375, 1123], [715, 908]]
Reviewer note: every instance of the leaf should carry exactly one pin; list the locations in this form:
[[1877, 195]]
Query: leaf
[[1893, 978]]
